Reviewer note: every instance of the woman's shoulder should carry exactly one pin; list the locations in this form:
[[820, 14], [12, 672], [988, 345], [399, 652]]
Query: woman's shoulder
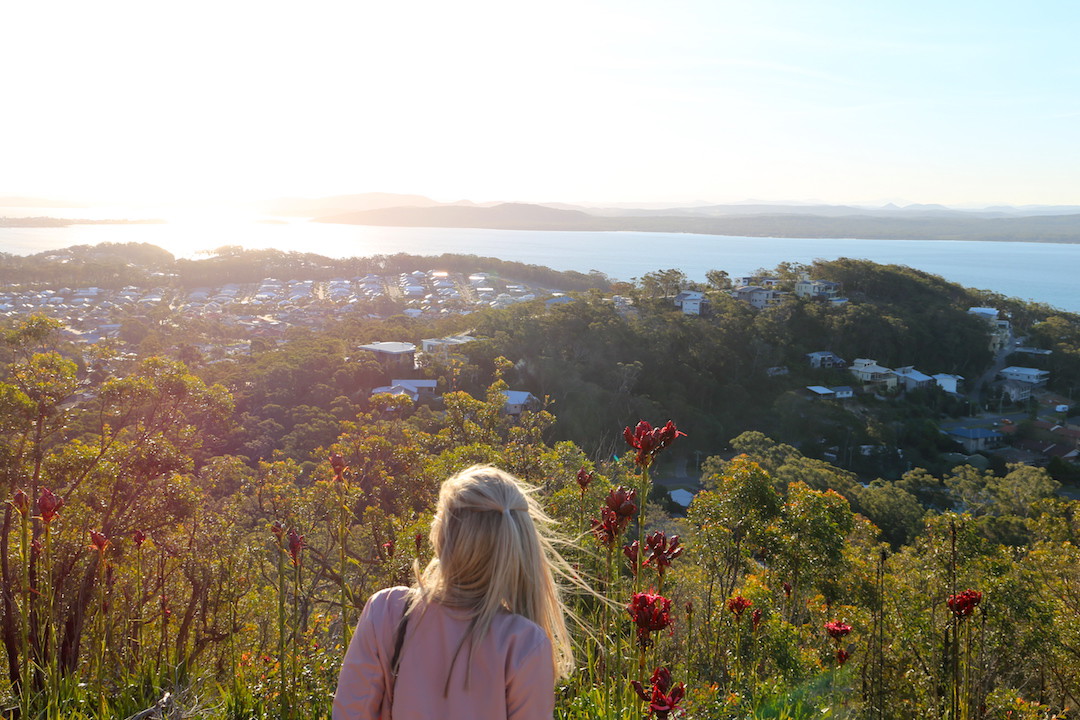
[[389, 600], [523, 634]]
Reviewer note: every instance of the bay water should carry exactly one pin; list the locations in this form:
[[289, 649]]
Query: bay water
[[1043, 272]]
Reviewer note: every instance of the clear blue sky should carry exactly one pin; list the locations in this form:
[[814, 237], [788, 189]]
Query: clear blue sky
[[957, 103]]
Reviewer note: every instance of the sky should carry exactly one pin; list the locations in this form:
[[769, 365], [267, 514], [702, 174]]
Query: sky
[[959, 103]]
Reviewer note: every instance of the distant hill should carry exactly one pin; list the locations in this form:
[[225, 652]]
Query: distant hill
[[505, 216], [339, 204], [889, 223]]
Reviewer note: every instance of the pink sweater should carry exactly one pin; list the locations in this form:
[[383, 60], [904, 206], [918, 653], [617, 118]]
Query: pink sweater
[[511, 676]]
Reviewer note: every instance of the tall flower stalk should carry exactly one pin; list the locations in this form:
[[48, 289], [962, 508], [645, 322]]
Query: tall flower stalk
[[341, 479], [648, 442]]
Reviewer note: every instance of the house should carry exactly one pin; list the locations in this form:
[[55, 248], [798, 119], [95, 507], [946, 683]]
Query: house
[[393, 354], [872, 375], [816, 289], [757, 296], [843, 392], [825, 359], [691, 302], [406, 390], [1016, 391], [820, 391], [518, 401], [948, 383], [558, 299], [912, 379], [1032, 376], [444, 345], [976, 439], [999, 328], [424, 388]]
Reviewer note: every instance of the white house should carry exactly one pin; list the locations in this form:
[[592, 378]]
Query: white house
[[912, 379], [868, 372], [948, 383], [1032, 376], [519, 400], [817, 289], [423, 388], [843, 392], [820, 391], [444, 345], [394, 354], [757, 296], [691, 302]]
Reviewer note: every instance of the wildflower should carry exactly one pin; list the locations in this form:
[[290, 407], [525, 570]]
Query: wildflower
[[661, 701], [837, 629], [49, 505], [689, 607], [584, 479], [660, 551], [296, 544], [388, 548], [608, 528], [278, 529], [787, 590], [631, 553], [337, 462], [98, 541], [138, 537], [621, 502], [841, 656], [20, 502], [649, 441], [418, 540], [755, 617], [738, 605], [650, 612], [963, 604]]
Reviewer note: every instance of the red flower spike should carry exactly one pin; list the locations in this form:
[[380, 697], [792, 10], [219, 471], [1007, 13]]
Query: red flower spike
[[138, 537], [837, 629], [388, 548], [621, 502], [787, 590], [660, 551], [98, 541], [296, 544], [584, 479], [337, 462], [650, 612], [689, 607], [418, 540], [649, 441], [608, 528], [49, 505], [661, 702], [963, 604], [631, 553], [278, 529], [20, 502], [755, 618], [738, 605], [842, 656]]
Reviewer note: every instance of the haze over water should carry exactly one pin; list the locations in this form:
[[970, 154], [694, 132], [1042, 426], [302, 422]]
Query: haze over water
[[1043, 272]]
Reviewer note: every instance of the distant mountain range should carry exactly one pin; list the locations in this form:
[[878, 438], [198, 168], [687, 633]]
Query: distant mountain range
[[889, 222]]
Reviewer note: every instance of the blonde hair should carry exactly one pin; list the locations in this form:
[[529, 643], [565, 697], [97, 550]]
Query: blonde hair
[[494, 550]]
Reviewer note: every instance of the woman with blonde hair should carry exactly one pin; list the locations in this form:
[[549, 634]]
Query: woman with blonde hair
[[482, 635]]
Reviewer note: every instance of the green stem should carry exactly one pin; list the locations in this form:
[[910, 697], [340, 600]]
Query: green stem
[[282, 700]]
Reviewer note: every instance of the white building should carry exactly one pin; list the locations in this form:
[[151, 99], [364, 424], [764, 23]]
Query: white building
[[912, 379], [868, 372], [948, 383], [1032, 376]]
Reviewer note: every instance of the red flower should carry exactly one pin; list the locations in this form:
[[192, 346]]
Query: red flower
[[418, 540], [388, 547], [20, 502], [584, 477], [631, 553], [649, 441], [837, 629], [963, 604], [98, 541], [738, 605], [608, 528], [337, 462], [755, 617], [279, 530], [49, 505], [650, 612], [841, 656], [689, 607], [661, 702], [296, 544], [138, 537], [660, 551], [787, 590], [621, 502]]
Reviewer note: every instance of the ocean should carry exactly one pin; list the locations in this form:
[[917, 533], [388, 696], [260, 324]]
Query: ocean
[[1043, 272]]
